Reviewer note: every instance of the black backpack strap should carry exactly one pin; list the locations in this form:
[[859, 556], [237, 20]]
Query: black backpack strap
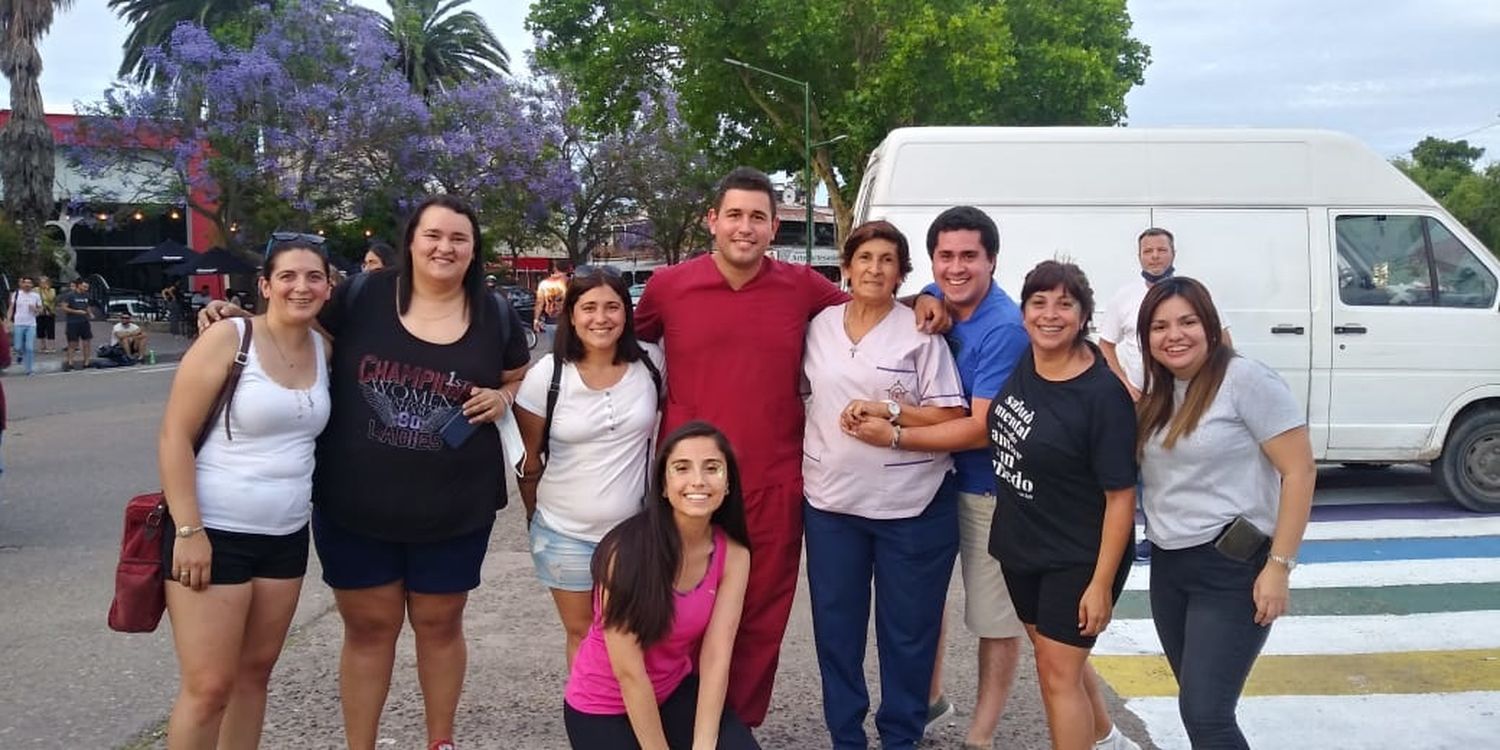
[[356, 285], [553, 387]]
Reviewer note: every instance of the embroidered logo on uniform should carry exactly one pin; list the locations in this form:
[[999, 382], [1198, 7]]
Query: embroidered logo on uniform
[[897, 391]]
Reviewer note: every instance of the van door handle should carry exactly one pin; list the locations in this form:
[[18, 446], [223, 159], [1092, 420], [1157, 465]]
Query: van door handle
[[1352, 328], [1287, 329]]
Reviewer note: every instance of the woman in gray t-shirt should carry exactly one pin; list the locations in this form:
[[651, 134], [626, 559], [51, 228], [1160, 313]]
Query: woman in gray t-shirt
[[1223, 443]]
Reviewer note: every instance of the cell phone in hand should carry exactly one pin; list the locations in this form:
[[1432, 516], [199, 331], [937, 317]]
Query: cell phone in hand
[[457, 429], [1241, 541]]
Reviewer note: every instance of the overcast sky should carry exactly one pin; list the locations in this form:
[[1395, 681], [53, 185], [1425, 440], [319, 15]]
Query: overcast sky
[[1388, 71]]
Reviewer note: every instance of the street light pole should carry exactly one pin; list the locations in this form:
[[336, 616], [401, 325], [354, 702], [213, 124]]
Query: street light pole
[[807, 144]]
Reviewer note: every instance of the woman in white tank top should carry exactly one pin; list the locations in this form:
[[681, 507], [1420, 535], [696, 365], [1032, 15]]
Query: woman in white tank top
[[240, 507]]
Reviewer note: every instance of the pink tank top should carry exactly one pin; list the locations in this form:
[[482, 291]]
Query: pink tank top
[[592, 687]]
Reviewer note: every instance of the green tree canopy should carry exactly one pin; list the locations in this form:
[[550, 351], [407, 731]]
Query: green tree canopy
[[1446, 170], [872, 65]]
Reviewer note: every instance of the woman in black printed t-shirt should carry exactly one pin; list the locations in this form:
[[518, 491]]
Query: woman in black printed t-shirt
[[1062, 429]]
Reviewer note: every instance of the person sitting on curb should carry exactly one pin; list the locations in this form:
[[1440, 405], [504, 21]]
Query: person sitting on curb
[[131, 338]]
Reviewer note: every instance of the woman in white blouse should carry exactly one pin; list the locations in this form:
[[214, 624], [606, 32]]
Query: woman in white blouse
[[877, 513], [586, 460]]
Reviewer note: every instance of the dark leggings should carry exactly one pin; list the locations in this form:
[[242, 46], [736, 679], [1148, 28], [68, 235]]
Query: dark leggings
[[1205, 616], [678, 711]]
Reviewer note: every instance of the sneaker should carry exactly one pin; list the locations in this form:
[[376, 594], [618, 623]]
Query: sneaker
[[937, 711], [1143, 551], [1116, 740], [441, 745]]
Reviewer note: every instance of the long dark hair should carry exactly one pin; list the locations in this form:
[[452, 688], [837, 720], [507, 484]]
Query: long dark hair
[[637, 561], [474, 291], [1156, 410], [567, 347]]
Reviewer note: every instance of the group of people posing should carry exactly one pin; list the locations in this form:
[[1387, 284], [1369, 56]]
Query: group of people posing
[[676, 455]]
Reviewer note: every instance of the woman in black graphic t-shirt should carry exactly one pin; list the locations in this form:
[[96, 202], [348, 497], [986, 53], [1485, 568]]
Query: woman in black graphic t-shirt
[[409, 470], [1062, 430]]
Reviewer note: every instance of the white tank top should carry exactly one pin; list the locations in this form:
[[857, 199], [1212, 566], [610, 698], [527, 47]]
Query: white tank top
[[261, 481]]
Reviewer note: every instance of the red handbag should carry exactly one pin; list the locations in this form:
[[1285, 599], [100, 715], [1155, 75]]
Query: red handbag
[[140, 578]]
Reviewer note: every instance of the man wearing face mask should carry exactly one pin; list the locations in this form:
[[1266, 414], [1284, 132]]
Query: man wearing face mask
[[1156, 250]]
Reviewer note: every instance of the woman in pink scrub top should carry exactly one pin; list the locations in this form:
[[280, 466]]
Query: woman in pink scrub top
[[654, 667]]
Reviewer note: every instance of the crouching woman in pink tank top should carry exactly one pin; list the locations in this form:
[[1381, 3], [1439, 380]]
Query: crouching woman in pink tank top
[[671, 584]]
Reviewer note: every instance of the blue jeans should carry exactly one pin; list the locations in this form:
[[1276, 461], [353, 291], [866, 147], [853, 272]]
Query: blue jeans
[[23, 340], [911, 562], [1204, 613]]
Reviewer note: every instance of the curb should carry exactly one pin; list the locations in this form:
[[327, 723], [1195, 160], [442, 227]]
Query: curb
[[53, 366]]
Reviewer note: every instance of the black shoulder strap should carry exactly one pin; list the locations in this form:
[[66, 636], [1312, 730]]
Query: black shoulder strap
[[553, 387], [356, 285], [655, 376]]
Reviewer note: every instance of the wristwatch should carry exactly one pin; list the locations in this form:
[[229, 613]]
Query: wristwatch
[[894, 408], [184, 532], [1289, 562]]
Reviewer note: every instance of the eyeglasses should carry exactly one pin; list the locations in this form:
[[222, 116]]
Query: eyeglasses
[[315, 241], [584, 272]]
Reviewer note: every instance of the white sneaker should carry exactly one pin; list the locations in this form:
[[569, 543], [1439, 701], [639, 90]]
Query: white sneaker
[[1116, 740]]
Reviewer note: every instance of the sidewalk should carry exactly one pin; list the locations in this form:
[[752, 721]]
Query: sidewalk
[[168, 348]]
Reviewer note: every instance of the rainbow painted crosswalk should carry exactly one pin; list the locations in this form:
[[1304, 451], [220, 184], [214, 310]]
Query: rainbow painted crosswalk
[[1393, 639]]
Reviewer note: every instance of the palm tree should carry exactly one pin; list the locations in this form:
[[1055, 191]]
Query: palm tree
[[438, 45], [152, 21], [26, 147]]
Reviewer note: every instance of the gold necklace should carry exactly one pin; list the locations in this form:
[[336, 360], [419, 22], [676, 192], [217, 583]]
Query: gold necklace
[[271, 335]]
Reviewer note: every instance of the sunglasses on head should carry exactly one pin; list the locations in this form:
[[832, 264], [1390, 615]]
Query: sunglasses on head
[[278, 239], [584, 272]]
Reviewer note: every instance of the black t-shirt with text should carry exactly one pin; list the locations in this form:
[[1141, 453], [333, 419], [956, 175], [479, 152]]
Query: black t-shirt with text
[[383, 468], [1057, 446]]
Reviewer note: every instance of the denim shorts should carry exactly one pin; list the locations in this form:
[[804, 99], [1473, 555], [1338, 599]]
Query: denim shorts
[[562, 562]]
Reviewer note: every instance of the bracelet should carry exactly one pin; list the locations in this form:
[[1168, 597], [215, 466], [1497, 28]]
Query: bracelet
[[1290, 563], [895, 437]]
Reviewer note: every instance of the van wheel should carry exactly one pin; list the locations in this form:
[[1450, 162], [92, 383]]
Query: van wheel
[[1469, 469]]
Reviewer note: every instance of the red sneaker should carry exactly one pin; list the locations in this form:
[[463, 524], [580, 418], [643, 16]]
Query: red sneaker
[[442, 745]]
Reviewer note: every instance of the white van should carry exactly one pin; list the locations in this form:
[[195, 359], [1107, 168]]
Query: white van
[[1328, 263]]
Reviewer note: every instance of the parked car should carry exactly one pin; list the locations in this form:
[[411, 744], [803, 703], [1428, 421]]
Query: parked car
[[522, 299], [636, 290]]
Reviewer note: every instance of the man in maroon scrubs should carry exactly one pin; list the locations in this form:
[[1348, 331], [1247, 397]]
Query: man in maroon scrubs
[[732, 325]]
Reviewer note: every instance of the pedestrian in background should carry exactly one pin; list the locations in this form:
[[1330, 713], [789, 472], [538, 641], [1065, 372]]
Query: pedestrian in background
[[241, 505], [1228, 472], [379, 255], [21, 316], [654, 668], [46, 320]]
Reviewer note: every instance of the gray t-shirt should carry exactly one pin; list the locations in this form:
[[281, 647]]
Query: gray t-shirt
[[1218, 471]]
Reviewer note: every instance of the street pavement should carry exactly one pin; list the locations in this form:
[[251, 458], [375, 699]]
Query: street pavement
[[79, 443], [1391, 641]]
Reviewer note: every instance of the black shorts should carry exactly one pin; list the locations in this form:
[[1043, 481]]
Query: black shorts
[[79, 330], [238, 557], [1048, 599]]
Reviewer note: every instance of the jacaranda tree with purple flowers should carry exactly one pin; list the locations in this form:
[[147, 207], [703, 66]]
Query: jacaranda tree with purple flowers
[[313, 123]]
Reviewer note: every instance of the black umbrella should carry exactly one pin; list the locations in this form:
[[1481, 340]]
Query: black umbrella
[[217, 260], [169, 251]]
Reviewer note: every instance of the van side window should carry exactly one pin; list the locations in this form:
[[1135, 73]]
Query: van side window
[[1462, 280], [1408, 260]]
